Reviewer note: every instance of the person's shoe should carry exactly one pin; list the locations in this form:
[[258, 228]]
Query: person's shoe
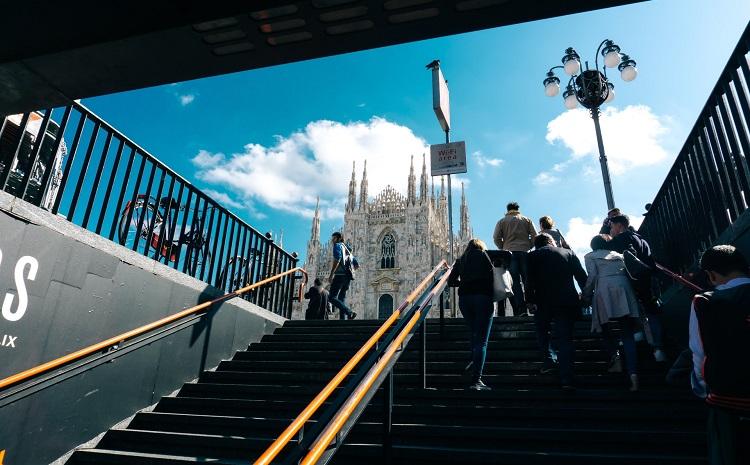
[[634, 385], [480, 386], [353, 315], [615, 365], [660, 356]]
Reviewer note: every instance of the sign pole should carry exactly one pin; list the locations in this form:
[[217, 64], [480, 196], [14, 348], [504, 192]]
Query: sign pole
[[450, 231], [450, 206]]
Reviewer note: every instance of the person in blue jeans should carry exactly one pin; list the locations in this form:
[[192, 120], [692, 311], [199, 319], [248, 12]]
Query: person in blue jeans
[[473, 275], [340, 278]]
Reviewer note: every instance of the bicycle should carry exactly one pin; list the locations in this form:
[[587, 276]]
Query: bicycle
[[242, 266], [146, 212]]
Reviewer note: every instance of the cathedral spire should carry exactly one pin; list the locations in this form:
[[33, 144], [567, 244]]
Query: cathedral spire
[[411, 198], [315, 232], [465, 230], [423, 182], [433, 200], [363, 189], [352, 201]]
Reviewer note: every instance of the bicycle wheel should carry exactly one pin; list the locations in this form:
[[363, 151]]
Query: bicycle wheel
[[198, 258], [237, 279], [127, 231]]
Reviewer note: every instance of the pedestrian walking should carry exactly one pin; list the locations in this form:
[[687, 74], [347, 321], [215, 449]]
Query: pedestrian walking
[[340, 276], [720, 341], [515, 233], [626, 240], [547, 226], [317, 308], [552, 296], [609, 291], [473, 275]]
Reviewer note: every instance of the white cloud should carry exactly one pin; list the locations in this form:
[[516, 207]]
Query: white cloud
[[186, 99], [317, 161], [223, 198], [580, 232], [545, 179], [631, 136], [206, 159], [483, 161]]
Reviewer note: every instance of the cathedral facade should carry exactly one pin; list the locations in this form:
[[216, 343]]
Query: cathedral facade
[[396, 239]]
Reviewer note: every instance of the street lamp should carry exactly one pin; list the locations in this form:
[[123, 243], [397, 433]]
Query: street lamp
[[591, 88]]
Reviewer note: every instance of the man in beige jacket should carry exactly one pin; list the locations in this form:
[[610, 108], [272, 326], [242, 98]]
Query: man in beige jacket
[[515, 233]]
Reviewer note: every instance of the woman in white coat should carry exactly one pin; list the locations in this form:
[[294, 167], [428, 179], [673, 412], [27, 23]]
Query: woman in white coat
[[611, 295]]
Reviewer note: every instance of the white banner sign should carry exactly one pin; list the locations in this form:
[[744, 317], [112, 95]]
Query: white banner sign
[[448, 158]]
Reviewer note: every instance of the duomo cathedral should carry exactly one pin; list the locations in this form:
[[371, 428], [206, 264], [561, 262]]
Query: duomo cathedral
[[397, 240]]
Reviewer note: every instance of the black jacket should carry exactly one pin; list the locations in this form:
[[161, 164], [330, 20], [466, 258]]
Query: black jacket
[[631, 240], [316, 308], [473, 274], [551, 273], [724, 321]]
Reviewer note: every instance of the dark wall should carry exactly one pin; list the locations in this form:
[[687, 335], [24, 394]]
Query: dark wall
[[87, 289]]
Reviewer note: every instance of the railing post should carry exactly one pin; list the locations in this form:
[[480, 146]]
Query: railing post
[[442, 315], [388, 417], [423, 354]]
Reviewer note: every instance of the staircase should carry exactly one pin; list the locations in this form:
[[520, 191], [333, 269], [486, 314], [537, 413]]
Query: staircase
[[229, 416]]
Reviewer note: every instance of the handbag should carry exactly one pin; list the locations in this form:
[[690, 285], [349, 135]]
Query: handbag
[[502, 284]]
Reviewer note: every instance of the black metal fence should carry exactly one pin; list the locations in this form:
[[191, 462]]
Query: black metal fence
[[71, 162], [708, 186]]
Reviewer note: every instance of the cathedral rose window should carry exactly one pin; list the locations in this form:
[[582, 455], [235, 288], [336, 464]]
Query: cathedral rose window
[[388, 252]]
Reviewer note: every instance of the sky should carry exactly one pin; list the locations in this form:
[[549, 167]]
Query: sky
[[267, 143]]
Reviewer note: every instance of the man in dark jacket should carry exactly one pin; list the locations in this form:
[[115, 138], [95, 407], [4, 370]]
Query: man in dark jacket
[[625, 238], [552, 295], [720, 341], [317, 307]]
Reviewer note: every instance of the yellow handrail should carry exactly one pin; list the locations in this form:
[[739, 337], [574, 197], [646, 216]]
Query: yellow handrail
[[338, 421], [278, 445], [45, 367]]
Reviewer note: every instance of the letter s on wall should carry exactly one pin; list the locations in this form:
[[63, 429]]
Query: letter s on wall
[[23, 296]]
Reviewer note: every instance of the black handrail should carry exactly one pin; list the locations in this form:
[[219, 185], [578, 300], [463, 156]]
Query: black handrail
[[708, 187], [107, 183]]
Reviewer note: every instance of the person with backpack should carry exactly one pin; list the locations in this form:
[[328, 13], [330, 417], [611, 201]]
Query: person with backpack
[[341, 275], [473, 275], [640, 265], [720, 342], [318, 306]]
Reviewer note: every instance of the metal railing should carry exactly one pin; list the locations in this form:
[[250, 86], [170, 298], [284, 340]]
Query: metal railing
[[73, 163], [320, 441], [708, 187], [118, 342]]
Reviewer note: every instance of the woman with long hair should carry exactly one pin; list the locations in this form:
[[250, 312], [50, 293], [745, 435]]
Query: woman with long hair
[[473, 275], [613, 299]]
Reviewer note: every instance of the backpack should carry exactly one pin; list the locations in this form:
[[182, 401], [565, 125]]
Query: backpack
[[350, 263]]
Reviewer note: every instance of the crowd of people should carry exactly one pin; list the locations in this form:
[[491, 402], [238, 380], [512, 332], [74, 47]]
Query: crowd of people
[[617, 285]]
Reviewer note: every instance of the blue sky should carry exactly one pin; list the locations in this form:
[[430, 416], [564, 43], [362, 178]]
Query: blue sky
[[291, 131]]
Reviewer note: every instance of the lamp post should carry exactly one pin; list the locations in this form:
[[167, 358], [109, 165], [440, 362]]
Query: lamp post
[[591, 88]]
